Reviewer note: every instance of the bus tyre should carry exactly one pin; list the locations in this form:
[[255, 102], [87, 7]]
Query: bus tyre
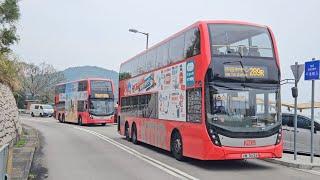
[[62, 119], [80, 121], [126, 132], [41, 115], [59, 118], [177, 146], [32, 115], [103, 124], [134, 136]]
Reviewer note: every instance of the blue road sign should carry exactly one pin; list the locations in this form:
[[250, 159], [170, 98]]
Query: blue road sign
[[312, 70]]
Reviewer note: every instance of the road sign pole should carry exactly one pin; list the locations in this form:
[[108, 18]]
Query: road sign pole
[[312, 118], [312, 72], [295, 115], [297, 70]]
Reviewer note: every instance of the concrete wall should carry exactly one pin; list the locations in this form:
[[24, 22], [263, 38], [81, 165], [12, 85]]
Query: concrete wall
[[10, 125]]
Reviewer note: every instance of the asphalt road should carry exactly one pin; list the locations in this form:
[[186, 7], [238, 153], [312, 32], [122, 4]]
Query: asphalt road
[[69, 151]]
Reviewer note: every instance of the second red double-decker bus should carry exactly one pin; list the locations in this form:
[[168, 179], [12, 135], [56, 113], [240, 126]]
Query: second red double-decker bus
[[88, 101], [210, 92]]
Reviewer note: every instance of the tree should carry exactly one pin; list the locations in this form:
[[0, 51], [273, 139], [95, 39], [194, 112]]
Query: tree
[[39, 81], [9, 15], [9, 72]]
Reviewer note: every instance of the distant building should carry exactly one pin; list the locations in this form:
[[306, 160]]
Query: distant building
[[29, 102]]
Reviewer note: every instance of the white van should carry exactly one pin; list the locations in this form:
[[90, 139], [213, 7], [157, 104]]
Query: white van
[[41, 110]]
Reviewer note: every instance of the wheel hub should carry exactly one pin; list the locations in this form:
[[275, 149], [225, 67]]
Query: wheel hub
[[177, 145]]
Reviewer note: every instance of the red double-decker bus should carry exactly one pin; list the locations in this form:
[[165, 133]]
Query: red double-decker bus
[[87, 101], [210, 92]]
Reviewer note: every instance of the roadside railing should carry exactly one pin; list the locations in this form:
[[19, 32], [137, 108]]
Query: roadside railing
[[4, 151]]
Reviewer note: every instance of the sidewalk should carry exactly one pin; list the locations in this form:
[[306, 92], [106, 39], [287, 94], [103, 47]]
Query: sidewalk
[[302, 162], [23, 155]]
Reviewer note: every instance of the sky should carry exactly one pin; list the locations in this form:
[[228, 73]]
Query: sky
[[95, 32]]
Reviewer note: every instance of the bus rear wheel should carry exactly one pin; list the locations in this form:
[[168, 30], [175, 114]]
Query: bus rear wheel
[[103, 124], [80, 121], [134, 136], [62, 118], [177, 146], [126, 132]]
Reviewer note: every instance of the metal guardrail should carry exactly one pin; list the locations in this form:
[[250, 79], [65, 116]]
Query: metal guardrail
[[4, 151]]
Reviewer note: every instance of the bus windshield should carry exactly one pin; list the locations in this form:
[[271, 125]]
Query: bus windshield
[[101, 107], [237, 107], [240, 40]]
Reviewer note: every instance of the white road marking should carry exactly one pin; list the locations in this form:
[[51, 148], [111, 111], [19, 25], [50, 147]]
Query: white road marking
[[314, 172], [168, 169]]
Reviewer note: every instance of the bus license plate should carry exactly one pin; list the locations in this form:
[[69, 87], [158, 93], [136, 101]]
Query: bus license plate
[[250, 156]]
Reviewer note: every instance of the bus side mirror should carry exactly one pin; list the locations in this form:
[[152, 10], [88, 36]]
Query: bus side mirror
[[294, 91]]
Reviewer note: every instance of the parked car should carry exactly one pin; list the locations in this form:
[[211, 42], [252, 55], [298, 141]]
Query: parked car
[[41, 110], [303, 134]]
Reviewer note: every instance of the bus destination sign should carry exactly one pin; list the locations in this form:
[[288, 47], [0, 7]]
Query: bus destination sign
[[237, 71]]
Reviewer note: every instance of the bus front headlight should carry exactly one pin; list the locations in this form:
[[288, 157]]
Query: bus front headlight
[[214, 137], [279, 136]]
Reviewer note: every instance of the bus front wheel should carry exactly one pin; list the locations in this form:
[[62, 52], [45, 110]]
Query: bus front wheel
[[177, 146]]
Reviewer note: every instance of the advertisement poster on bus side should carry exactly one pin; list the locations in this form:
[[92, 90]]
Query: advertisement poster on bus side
[[172, 105], [172, 93], [170, 83], [71, 104], [72, 96]]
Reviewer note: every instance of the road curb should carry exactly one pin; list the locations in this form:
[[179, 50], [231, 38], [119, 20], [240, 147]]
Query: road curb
[[293, 165], [23, 156]]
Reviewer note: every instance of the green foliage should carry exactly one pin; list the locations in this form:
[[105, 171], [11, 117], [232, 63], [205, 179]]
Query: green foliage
[[21, 143], [9, 72], [9, 15]]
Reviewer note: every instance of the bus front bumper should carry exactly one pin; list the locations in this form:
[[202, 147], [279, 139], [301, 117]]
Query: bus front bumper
[[233, 153], [108, 120]]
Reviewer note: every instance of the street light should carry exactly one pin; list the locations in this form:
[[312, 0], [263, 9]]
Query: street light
[[144, 33]]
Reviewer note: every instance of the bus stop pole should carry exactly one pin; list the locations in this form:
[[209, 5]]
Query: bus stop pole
[[295, 115], [312, 119]]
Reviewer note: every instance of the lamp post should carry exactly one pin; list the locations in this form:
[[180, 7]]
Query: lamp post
[[144, 33]]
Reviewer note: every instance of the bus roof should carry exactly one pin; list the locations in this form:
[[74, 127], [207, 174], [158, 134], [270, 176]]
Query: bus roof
[[88, 79], [191, 26]]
